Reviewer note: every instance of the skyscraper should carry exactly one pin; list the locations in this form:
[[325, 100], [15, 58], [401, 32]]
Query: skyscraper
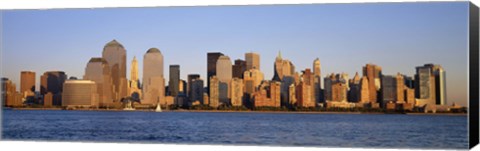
[[173, 83], [52, 81], [373, 74], [440, 85], [190, 78], [10, 96], [224, 74], [196, 91], [253, 60], [212, 58], [364, 90], [134, 85], [355, 89], [214, 92], [316, 67], [400, 88], [336, 87], [239, 68], [317, 80], [236, 91], [27, 83], [389, 89], [252, 78], [430, 81], [98, 70], [116, 56], [153, 78], [282, 68]]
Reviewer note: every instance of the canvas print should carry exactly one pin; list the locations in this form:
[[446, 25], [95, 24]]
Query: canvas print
[[369, 75]]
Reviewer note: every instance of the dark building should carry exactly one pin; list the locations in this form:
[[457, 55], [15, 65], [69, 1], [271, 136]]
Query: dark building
[[212, 58], [389, 89], [409, 82], [430, 84], [173, 83], [239, 68], [52, 81], [190, 78]]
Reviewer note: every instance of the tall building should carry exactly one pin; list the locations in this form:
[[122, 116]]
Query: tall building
[[440, 85], [134, 85], [239, 68], [252, 79], [373, 74], [212, 58], [425, 85], [10, 96], [214, 92], [173, 83], [282, 68], [80, 93], [400, 88], [364, 90], [153, 78], [430, 81], [190, 79], [291, 94], [52, 81], [317, 80], [336, 87], [327, 81], [197, 91], [224, 75], [27, 83], [389, 89], [116, 56], [309, 79], [253, 60], [355, 89], [98, 70], [236, 91]]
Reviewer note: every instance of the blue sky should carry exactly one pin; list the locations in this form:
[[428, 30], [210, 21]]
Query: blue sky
[[396, 36]]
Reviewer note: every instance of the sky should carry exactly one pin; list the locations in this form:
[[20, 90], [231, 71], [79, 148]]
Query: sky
[[396, 36]]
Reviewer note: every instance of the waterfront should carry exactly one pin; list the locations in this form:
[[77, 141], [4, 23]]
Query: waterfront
[[239, 128]]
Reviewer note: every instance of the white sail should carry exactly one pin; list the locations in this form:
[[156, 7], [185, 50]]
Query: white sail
[[158, 109]]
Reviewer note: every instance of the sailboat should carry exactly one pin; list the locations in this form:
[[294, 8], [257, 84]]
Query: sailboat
[[158, 109]]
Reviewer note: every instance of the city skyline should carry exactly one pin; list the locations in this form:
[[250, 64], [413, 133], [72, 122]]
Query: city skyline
[[391, 59]]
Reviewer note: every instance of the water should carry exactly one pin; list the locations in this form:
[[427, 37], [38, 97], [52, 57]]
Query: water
[[272, 129]]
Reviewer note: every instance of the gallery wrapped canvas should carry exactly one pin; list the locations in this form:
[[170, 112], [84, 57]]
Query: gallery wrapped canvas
[[354, 75]]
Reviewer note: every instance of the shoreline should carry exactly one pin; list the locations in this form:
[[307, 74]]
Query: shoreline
[[240, 111]]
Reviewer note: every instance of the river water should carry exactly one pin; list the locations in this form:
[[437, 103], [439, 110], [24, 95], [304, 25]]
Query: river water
[[241, 128]]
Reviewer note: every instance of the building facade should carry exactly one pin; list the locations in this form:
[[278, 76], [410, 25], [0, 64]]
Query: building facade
[[373, 74], [134, 90], [153, 78], [212, 58], [214, 92], [253, 60], [224, 75], [80, 93], [116, 56], [236, 91], [98, 70], [173, 83], [52, 81], [238, 68], [27, 83]]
